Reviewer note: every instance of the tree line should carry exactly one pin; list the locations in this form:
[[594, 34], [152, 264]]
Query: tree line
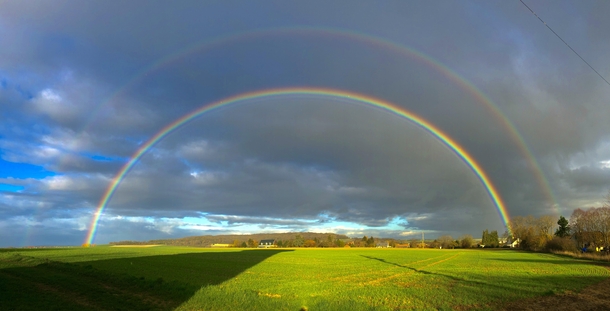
[[330, 240], [586, 230], [209, 240]]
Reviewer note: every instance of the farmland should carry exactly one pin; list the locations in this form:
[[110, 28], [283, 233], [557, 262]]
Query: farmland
[[168, 278]]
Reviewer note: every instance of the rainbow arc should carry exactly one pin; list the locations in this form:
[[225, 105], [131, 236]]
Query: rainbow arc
[[340, 94]]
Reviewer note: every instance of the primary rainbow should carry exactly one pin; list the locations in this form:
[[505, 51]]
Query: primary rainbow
[[355, 97]]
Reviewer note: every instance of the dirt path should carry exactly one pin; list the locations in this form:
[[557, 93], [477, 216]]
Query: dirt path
[[594, 297]]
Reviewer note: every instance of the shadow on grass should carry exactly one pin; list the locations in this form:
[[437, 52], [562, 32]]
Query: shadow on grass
[[161, 282], [397, 265], [500, 285]]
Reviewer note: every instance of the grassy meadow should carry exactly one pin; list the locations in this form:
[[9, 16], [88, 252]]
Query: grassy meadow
[[175, 278]]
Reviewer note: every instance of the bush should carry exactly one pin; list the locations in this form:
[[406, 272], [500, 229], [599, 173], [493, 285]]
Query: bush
[[561, 244], [466, 241]]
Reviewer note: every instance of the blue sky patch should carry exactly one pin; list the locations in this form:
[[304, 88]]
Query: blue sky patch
[[22, 170], [10, 188]]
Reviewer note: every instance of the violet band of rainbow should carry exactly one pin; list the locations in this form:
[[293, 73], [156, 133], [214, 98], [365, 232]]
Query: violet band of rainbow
[[359, 98]]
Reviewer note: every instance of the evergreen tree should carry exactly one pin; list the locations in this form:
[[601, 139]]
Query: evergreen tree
[[485, 238], [370, 242], [564, 229], [364, 241], [493, 239], [298, 241]]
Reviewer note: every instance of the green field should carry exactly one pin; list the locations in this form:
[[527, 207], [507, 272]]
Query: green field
[[168, 278]]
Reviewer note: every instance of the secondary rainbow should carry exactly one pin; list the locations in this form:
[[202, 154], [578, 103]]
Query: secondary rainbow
[[382, 43], [353, 97]]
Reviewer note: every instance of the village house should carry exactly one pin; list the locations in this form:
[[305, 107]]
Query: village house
[[385, 244], [267, 243]]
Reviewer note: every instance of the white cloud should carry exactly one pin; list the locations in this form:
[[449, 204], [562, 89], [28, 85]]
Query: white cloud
[[205, 178], [202, 227], [166, 225], [47, 152], [61, 182], [51, 103], [417, 217], [67, 140], [50, 96]]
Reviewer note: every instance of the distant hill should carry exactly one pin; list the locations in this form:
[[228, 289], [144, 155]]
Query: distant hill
[[208, 240]]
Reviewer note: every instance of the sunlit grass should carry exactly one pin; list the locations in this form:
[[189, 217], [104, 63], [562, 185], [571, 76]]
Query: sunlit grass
[[318, 279], [396, 279]]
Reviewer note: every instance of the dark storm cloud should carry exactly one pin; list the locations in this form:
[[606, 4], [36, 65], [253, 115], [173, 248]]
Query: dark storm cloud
[[64, 106], [352, 176], [589, 178]]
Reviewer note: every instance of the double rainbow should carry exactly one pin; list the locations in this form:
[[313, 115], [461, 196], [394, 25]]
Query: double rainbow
[[349, 96]]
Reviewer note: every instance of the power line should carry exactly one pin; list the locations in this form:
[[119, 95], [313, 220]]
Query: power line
[[551, 29]]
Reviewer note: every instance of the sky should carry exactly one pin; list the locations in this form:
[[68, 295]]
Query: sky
[[86, 85]]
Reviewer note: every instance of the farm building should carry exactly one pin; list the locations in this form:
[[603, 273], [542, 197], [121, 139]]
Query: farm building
[[385, 244], [514, 243], [266, 243], [508, 242]]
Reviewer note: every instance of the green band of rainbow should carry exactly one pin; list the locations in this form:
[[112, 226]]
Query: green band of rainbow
[[374, 102]]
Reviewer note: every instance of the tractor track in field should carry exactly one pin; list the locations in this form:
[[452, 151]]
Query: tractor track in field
[[437, 262], [411, 270], [367, 273]]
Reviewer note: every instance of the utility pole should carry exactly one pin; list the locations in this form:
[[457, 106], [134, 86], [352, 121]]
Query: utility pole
[[422, 240]]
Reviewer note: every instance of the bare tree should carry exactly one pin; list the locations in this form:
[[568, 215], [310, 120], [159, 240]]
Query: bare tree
[[544, 231], [604, 224], [577, 223], [545, 225], [446, 241], [414, 243], [531, 232], [522, 229], [591, 226]]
